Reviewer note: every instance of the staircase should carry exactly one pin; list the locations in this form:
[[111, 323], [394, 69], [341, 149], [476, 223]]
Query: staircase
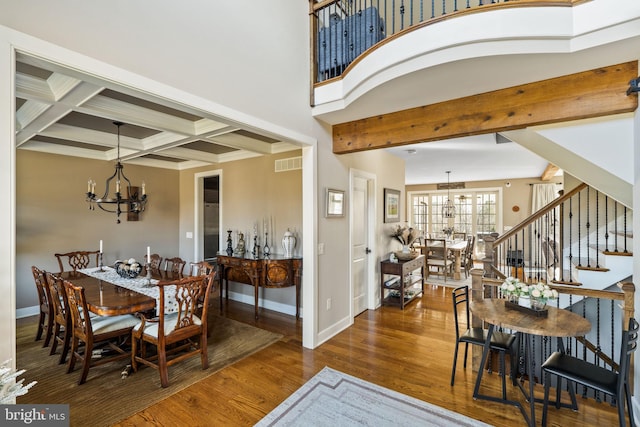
[[581, 239], [581, 245]]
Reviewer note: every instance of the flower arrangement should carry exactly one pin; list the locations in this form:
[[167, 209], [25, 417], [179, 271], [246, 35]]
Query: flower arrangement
[[514, 288], [539, 293], [405, 234], [9, 387], [448, 231]]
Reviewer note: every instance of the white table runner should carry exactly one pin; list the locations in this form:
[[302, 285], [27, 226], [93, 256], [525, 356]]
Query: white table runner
[[140, 284]]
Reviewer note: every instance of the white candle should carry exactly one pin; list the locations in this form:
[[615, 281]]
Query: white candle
[[149, 254], [89, 186], [100, 246], [144, 188]]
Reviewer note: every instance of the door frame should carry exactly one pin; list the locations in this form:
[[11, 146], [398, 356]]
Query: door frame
[[198, 220], [371, 234]]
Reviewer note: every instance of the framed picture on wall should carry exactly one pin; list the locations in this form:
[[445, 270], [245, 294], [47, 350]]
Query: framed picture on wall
[[391, 205], [335, 203]]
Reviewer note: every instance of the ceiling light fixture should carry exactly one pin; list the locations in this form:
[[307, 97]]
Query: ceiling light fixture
[[448, 209], [116, 203]]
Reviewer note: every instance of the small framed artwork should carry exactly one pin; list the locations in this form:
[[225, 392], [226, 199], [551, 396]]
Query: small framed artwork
[[335, 203], [391, 205]]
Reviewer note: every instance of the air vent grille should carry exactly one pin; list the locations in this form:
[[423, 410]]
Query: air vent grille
[[290, 164]]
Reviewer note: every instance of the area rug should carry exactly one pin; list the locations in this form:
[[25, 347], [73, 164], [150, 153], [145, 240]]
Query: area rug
[[332, 398], [106, 397]]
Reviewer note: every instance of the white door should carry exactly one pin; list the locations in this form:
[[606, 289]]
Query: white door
[[360, 244]]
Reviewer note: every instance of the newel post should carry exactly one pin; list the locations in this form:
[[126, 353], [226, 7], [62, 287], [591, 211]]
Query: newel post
[[477, 293], [489, 256], [628, 308]]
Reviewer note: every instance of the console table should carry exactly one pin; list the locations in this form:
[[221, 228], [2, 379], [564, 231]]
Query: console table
[[403, 287], [274, 271]]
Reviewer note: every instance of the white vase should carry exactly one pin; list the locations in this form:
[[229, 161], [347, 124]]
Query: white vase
[[288, 244], [405, 249]]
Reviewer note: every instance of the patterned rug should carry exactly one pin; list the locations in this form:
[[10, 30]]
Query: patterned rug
[[332, 398]]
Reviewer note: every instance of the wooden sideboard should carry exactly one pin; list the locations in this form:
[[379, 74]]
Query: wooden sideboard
[[275, 271]]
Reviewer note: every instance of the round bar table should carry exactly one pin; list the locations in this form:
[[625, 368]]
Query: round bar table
[[558, 323]]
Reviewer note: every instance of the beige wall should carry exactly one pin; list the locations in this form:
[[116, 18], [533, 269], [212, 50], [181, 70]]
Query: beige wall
[[52, 215], [251, 192]]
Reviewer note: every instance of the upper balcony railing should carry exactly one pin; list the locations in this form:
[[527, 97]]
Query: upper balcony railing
[[344, 30]]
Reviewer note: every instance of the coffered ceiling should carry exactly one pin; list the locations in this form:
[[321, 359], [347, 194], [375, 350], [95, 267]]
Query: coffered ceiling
[[65, 112]]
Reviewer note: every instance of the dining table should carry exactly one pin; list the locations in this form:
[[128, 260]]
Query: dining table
[[457, 247], [558, 323], [109, 294]]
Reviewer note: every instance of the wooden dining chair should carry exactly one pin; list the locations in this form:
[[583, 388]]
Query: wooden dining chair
[[91, 330], [603, 380], [459, 235], [467, 258], [45, 320], [155, 262], [501, 342], [77, 259], [61, 333], [438, 257], [200, 268], [174, 265], [177, 335]]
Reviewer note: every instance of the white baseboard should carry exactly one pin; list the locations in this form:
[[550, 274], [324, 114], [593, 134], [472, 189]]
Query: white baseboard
[[269, 305], [27, 312]]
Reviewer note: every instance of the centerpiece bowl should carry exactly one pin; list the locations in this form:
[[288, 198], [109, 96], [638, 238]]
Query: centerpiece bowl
[[406, 256], [128, 269]]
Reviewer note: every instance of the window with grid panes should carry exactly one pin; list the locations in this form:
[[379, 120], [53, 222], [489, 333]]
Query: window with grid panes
[[476, 213]]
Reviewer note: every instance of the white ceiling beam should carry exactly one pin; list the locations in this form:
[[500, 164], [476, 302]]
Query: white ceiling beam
[[114, 109], [241, 142]]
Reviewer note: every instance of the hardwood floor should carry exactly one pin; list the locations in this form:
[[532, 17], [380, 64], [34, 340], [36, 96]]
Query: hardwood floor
[[408, 351]]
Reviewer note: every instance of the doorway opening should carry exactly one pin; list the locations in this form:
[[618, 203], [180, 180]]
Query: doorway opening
[[211, 216]]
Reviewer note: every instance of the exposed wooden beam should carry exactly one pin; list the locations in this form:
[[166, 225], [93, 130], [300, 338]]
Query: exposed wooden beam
[[593, 93], [549, 172]]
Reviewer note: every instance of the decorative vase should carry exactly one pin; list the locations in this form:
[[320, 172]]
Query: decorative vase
[[288, 243], [538, 303], [405, 249]]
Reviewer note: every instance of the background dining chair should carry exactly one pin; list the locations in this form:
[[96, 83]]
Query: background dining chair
[[61, 333], [45, 320], [77, 259], [177, 335], [579, 371], [200, 268], [438, 257], [154, 262], [500, 341], [174, 265], [467, 259], [459, 235], [92, 330]]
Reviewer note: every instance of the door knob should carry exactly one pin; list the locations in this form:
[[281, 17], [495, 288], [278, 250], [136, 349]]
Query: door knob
[[367, 250]]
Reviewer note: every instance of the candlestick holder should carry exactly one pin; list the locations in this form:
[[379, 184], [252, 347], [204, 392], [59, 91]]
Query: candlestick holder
[[100, 264], [148, 268], [229, 244], [266, 251], [256, 249]]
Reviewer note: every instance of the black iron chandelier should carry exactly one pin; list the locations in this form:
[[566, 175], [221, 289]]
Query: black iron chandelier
[[449, 209], [132, 202]]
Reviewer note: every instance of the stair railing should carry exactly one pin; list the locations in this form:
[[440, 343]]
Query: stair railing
[[571, 233]]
